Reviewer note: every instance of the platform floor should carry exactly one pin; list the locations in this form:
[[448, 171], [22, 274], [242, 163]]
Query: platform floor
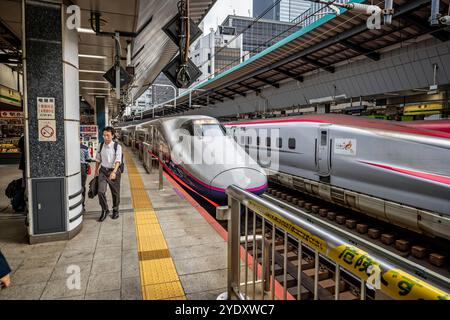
[[163, 246]]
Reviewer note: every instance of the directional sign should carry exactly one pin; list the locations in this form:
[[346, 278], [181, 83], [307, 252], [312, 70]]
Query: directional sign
[[172, 29], [110, 75], [47, 130], [171, 72]]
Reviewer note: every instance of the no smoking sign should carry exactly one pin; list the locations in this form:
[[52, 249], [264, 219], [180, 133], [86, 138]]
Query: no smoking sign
[[47, 130]]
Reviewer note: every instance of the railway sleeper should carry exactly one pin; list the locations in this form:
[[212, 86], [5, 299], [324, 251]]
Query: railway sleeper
[[330, 285], [304, 293], [290, 280], [323, 273]]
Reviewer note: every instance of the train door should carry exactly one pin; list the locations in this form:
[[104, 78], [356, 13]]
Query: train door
[[323, 152]]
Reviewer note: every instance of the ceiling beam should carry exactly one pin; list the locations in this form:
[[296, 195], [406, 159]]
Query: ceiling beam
[[237, 92], [290, 74], [10, 59], [319, 64], [439, 34], [224, 95], [257, 90], [367, 52], [271, 83], [215, 99]]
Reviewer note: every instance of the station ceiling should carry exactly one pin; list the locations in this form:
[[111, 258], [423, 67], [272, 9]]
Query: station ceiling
[[151, 50]]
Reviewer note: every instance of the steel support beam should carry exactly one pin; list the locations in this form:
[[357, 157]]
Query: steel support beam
[[367, 52], [224, 95], [271, 83], [439, 34], [257, 90], [215, 99], [237, 92], [319, 64], [290, 74]]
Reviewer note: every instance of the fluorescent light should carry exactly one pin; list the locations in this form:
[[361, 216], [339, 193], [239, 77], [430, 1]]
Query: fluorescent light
[[97, 94], [85, 30], [92, 56], [94, 81], [92, 71], [85, 88]]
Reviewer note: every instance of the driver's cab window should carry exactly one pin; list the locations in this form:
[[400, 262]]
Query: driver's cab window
[[188, 127]]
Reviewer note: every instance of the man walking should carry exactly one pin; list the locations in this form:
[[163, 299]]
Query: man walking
[[109, 160]]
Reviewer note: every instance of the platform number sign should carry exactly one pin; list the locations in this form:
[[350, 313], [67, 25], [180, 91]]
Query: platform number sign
[[46, 119]]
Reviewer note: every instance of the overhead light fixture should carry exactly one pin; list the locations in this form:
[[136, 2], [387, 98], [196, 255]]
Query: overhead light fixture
[[86, 88], [94, 81], [91, 56], [97, 94], [92, 71], [85, 30], [328, 99]]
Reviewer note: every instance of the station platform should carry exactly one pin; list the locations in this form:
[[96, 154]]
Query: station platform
[[163, 246]]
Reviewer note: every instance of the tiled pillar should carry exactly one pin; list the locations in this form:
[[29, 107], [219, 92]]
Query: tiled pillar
[[52, 144]]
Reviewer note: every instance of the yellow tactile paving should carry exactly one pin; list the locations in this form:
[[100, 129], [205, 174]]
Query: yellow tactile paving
[[158, 271], [154, 229], [154, 254], [164, 291], [149, 243], [159, 279]]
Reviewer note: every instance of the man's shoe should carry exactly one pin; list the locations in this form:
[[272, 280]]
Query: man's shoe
[[115, 215], [103, 216]]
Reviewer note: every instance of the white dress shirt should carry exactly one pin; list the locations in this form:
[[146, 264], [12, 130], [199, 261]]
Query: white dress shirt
[[108, 158]]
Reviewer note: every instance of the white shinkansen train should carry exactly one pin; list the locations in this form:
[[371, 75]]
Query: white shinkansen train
[[207, 159], [392, 172]]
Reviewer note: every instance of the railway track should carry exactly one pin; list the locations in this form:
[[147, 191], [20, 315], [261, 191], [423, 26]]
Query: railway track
[[427, 252]]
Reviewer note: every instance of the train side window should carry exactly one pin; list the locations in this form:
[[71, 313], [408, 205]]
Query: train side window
[[291, 143], [267, 142], [323, 138], [280, 143]]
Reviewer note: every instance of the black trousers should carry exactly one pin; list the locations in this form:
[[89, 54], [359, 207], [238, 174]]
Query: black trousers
[[84, 175], [4, 267], [114, 185]]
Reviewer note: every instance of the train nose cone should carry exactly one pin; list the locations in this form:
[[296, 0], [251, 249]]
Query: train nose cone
[[246, 178]]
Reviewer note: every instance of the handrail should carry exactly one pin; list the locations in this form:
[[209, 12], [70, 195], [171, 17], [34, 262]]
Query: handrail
[[373, 269]]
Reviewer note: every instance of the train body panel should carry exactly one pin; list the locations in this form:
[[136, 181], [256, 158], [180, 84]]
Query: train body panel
[[436, 125], [406, 166], [197, 151]]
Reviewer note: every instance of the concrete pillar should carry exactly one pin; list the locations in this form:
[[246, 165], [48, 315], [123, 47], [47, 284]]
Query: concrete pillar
[[52, 132]]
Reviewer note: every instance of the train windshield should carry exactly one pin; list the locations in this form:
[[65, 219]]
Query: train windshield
[[209, 130], [204, 128]]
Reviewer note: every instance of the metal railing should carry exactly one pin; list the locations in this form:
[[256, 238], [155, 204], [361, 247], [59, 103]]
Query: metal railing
[[149, 161], [282, 255]]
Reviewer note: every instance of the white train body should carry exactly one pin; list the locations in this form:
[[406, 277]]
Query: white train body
[[392, 172]]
